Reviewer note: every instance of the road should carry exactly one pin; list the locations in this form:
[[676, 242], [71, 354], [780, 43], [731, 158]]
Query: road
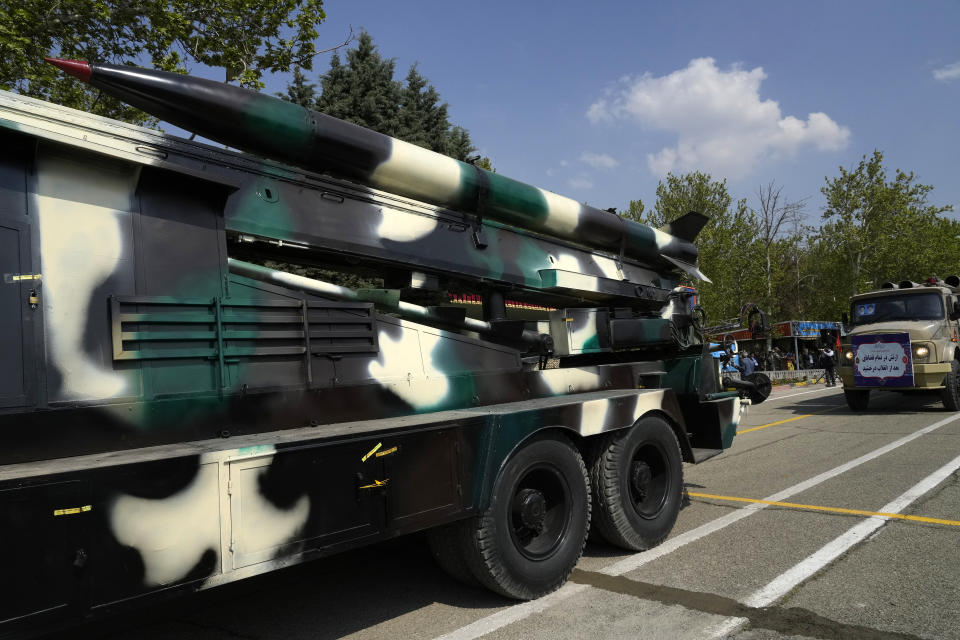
[[815, 564]]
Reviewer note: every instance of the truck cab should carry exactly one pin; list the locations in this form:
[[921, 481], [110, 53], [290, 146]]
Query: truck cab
[[903, 337]]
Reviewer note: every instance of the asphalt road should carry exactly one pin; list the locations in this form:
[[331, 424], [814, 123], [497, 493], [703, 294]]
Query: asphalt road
[[731, 568]]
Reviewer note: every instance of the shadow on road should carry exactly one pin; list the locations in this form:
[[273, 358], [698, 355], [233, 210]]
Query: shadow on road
[[881, 402], [326, 598]]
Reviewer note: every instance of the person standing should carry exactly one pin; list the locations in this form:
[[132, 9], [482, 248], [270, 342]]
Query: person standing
[[747, 364], [828, 365]]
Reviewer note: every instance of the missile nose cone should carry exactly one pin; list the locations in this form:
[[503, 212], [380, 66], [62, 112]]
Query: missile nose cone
[[76, 68]]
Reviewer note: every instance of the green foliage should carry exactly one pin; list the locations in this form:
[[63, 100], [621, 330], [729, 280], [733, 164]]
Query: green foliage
[[484, 163], [364, 92], [300, 91], [245, 37], [694, 191], [341, 278], [727, 243], [882, 230], [875, 229], [634, 211]]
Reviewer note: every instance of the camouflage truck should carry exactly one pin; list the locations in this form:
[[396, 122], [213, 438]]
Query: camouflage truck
[[903, 338], [176, 414]]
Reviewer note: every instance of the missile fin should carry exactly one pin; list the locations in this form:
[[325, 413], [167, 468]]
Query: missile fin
[[686, 267], [687, 226]]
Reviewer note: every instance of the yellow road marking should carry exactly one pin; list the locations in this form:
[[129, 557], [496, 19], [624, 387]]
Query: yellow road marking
[[773, 424], [813, 507]]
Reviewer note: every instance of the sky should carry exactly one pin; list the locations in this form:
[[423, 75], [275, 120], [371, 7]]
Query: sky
[[598, 101]]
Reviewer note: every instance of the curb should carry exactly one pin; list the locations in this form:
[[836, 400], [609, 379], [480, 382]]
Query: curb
[[797, 384]]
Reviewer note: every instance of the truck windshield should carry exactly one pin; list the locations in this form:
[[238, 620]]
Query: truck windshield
[[917, 306]]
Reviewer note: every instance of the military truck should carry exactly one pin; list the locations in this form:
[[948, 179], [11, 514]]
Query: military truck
[[184, 403], [903, 337]]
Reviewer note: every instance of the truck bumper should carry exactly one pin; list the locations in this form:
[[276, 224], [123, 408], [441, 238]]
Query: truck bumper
[[925, 376]]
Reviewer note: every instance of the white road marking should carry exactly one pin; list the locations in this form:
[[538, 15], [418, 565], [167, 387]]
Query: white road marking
[[792, 395], [799, 573], [726, 628], [518, 612], [812, 564]]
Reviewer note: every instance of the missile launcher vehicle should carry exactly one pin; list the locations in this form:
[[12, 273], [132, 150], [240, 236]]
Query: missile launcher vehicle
[[184, 402]]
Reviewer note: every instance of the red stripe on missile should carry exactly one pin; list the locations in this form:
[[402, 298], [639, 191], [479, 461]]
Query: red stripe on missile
[[76, 68]]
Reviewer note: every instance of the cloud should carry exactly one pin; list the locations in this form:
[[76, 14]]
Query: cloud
[[947, 73], [721, 124], [581, 182], [598, 160]]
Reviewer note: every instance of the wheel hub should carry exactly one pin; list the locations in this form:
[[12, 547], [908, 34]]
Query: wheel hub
[[531, 506], [640, 478]]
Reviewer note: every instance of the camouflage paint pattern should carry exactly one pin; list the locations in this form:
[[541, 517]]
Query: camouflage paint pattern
[[268, 126], [345, 424]]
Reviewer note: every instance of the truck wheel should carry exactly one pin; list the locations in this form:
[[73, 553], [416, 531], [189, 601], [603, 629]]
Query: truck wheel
[[528, 541], [636, 476], [951, 388], [857, 399], [447, 549]]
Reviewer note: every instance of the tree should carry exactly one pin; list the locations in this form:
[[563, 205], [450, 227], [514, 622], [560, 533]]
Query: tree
[[483, 163], [634, 211], [727, 244], [245, 38], [457, 144], [885, 229], [300, 91], [773, 213], [363, 92], [794, 284], [423, 120]]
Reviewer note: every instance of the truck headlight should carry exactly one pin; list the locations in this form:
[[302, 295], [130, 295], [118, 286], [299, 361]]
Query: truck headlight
[[848, 355], [921, 351]]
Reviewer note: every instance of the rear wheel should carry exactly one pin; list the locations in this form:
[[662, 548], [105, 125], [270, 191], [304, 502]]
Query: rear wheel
[[528, 541], [636, 476], [951, 388], [447, 549], [857, 399]]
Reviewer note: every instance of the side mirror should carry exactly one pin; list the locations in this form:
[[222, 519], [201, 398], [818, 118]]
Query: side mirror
[[955, 314], [844, 318]]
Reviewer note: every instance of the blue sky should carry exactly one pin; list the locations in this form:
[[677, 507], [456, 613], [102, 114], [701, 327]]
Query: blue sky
[[597, 101]]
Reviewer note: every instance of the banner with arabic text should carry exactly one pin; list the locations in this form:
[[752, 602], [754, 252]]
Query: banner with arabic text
[[882, 360]]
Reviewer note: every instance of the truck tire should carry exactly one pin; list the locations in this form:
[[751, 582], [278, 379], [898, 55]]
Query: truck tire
[[528, 541], [447, 549], [636, 477], [857, 399], [951, 388]]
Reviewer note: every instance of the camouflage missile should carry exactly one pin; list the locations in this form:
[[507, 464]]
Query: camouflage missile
[[287, 132]]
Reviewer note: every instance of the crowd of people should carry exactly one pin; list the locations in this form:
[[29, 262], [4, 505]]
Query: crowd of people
[[822, 357]]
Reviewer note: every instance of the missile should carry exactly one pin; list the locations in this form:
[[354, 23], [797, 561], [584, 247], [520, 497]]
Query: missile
[[383, 299], [268, 126]]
